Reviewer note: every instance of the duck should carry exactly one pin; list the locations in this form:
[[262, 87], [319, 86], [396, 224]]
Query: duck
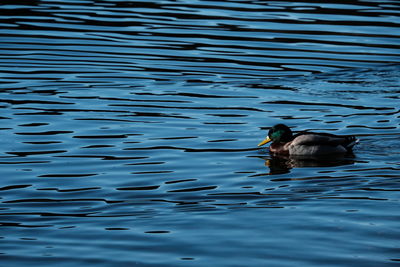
[[307, 143]]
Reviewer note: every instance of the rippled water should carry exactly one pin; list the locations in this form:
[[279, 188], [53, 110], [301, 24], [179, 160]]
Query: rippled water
[[129, 133]]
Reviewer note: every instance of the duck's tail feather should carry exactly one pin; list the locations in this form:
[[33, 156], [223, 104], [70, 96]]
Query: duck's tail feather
[[350, 142]]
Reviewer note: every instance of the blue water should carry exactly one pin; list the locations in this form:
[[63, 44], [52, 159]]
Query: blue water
[[130, 130]]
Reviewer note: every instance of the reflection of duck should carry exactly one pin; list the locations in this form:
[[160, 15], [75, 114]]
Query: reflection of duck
[[283, 164], [307, 143]]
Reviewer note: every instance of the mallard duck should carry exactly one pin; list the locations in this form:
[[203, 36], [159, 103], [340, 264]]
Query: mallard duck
[[307, 143]]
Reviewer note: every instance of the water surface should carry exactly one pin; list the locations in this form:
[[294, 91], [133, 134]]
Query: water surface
[[129, 133]]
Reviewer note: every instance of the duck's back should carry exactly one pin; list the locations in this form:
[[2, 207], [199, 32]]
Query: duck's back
[[316, 144]]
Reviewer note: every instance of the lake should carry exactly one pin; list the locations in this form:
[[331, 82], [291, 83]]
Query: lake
[[130, 130]]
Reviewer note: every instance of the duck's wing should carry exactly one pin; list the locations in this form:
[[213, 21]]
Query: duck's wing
[[317, 139]]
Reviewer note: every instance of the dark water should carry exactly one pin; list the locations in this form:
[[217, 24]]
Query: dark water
[[129, 133]]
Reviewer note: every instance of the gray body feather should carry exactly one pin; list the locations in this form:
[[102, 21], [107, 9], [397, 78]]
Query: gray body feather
[[317, 144]]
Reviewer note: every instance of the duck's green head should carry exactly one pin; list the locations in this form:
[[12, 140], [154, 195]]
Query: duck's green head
[[279, 133]]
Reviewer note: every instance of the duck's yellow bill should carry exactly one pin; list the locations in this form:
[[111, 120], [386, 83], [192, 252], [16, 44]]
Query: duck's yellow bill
[[263, 142]]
